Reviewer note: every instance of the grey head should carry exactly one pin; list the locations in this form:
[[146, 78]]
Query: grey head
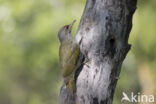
[[65, 32]]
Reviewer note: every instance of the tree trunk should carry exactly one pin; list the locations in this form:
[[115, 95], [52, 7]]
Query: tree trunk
[[103, 37]]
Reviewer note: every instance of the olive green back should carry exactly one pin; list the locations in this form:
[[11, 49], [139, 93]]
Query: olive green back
[[69, 56]]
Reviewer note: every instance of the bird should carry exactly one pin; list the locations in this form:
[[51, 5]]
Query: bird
[[69, 54]]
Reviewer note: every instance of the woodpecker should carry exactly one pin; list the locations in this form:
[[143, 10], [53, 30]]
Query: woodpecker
[[69, 54], [69, 51]]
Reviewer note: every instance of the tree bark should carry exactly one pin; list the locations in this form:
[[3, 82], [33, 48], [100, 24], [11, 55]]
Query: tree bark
[[103, 38]]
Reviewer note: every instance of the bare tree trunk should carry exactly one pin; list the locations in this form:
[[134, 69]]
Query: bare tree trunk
[[103, 36]]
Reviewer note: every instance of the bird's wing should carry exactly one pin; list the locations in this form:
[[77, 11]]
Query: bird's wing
[[69, 55], [75, 52]]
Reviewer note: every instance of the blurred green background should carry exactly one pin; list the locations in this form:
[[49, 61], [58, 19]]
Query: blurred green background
[[29, 65]]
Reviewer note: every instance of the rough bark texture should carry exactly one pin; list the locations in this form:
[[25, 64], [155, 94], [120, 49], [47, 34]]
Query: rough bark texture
[[103, 36]]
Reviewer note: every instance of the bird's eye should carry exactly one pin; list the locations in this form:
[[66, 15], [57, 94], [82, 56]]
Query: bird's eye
[[66, 27]]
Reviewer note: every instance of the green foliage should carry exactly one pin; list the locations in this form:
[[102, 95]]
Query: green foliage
[[29, 65]]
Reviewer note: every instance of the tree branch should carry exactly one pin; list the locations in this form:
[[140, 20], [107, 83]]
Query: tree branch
[[103, 31]]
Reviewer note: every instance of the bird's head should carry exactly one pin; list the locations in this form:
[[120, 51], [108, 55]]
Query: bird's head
[[65, 31]]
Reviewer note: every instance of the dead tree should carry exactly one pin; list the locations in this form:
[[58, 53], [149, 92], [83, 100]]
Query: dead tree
[[103, 36]]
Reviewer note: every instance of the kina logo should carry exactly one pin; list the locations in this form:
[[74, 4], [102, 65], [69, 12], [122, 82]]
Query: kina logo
[[137, 98]]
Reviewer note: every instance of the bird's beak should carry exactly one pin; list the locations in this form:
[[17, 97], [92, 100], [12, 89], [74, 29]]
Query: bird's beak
[[71, 25]]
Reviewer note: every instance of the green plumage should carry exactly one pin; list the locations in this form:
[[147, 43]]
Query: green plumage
[[69, 55]]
